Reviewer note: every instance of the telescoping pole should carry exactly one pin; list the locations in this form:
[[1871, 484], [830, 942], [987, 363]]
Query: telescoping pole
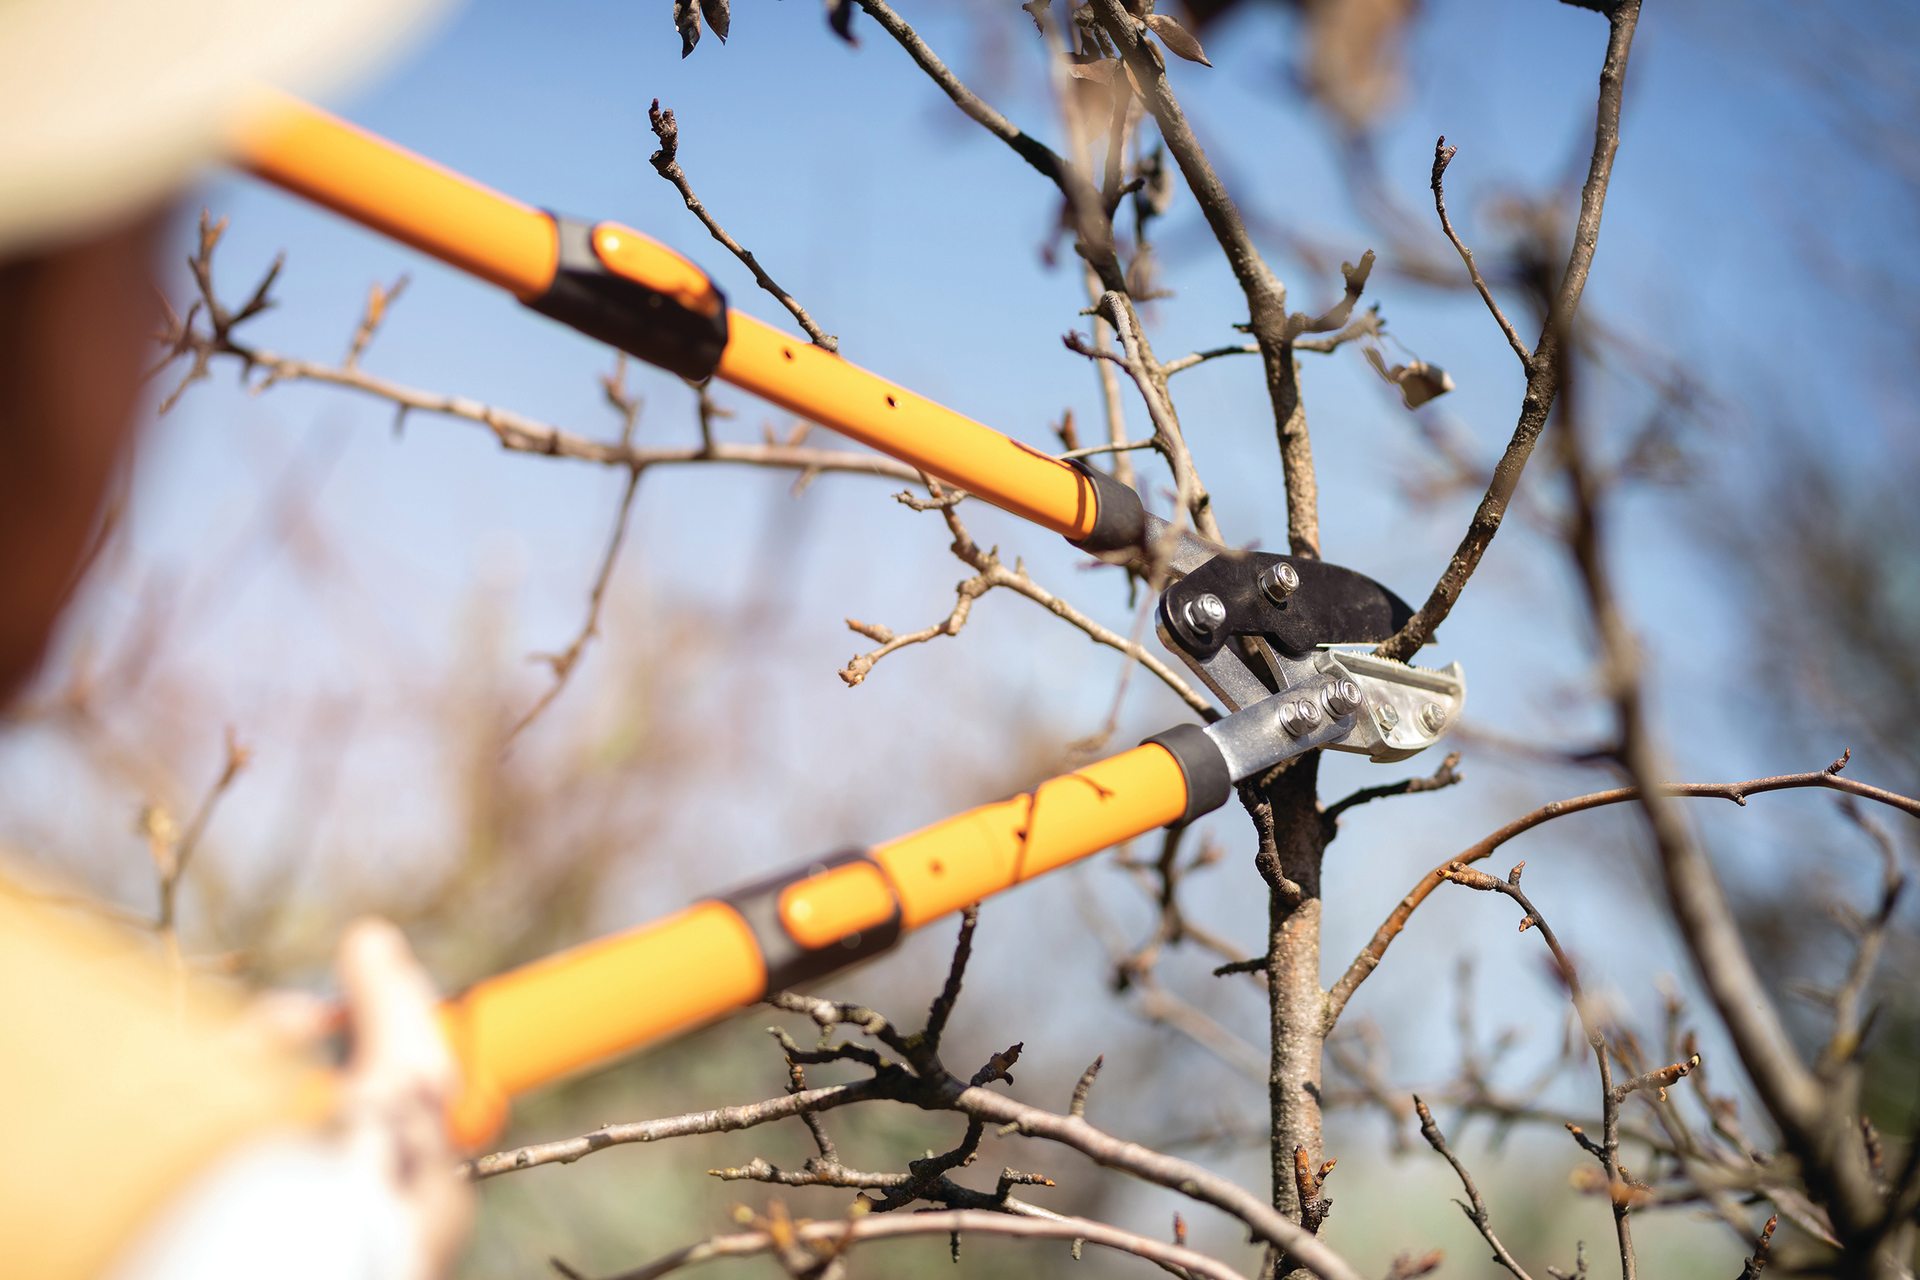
[[571, 1010], [624, 288]]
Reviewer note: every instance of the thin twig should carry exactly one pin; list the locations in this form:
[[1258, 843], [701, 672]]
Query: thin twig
[[1476, 1212], [989, 574], [942, 1008], [1124, 446], [950, 1222], [1442, 157], [1179, 1175], [719, 1120], [175, 857], [1607, 1150], [1443, 777], [628, 405], [1366, 325], [667, 165], [1194, 499], [1266, 296], [1849, 1028], [522, 434], [1546, 368], [1369, 958]]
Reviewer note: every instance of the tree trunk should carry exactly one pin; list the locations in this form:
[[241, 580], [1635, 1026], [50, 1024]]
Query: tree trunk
[[1286, 811]]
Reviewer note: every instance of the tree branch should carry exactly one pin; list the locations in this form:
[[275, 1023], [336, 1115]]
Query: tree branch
[[1443, 777], [1187, 1178], [628, 405], [719, 1120], [833, 1237], [1442, 157], [991, 573], [666, 164], [1607, 1150], [1369, 958], [1546, 367], [1266, 296], [1476, 1214]]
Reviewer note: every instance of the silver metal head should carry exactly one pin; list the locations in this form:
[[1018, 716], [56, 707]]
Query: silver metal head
[[1299, 716], [1206, 614], [1433, 717], [1279, 581], [1341, 698]]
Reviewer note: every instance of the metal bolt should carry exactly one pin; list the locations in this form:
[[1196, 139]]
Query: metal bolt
[[1433, 717], [1279, 580], [1341, 698], [1388, 715], [1205, 614], [1299, 717]]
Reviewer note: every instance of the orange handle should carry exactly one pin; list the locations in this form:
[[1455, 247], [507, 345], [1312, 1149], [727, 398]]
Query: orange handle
[[510, 244], [824, 388], [580, 1007]]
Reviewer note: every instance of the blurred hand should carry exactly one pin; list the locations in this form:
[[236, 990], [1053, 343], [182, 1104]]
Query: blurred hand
[[400, 1081]]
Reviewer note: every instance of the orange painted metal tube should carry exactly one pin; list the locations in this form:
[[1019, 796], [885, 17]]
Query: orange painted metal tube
[[824, 388], [498, 239], [580, 1007], [399, 194], [943, 867], [569, 1011]]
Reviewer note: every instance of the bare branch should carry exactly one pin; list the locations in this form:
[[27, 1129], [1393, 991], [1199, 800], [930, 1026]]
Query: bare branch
[[951, 1222], [522, 434], [720, 1120], [1607, 1150], [1367, 324], [173, 852], [1546, 368], [1442, 157], [1096, 230], [667, 165], [950, 994], [1194, 498], [614, 386], [991, 573], [1443, 777], [1849, 1028], [1179, 1175], [1758, 1262], [1266, 296], [1476, 1212], [1369, 958], [1124, 446]]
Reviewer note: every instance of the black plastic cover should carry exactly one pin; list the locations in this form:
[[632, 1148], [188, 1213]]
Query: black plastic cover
[[1209, 783], [626, 314], [1332, 605], [1118, 518], [788, 963]]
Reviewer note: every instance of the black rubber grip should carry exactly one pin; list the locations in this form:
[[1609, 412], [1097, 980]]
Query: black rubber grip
[[788, 963], [626, 314], [1118, 518], [1209, 784]]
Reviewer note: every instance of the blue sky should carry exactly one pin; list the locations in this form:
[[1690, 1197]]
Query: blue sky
[[914, 237]]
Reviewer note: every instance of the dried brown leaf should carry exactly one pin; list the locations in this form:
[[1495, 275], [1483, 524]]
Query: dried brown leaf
[[1177, 38], [686, 20], [1100, 69]]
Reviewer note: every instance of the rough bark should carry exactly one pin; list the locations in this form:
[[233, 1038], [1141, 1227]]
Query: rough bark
[[1293, 840]]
